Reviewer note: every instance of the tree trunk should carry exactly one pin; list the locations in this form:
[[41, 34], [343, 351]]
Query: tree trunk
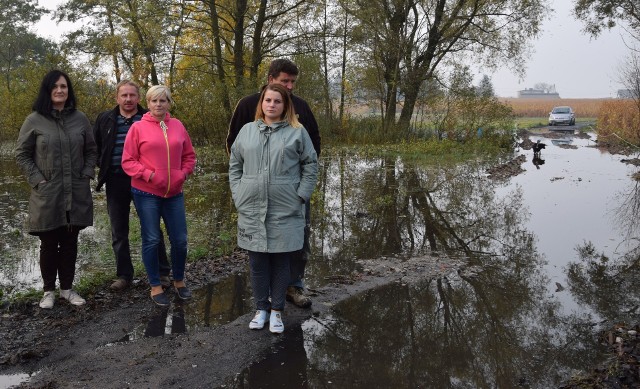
[[114, 56], [343, 77], [215, 30], [147, 47], [256, 52], [238, 44], [328, 107]]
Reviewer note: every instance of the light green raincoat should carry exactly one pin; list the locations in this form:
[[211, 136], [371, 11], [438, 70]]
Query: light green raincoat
[[272, 173]]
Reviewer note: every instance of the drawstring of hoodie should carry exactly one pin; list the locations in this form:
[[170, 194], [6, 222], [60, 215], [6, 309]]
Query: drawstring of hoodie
[[164, 127], [265, 145]]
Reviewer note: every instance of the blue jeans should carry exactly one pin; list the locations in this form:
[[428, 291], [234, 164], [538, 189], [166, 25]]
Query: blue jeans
[[118, 205], [151, 209]]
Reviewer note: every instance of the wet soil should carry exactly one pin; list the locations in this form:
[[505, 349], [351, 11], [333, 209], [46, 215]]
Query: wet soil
[[622, 368], [82, 347]]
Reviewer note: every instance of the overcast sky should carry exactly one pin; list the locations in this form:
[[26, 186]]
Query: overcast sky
[[564, 56], [579, 67]]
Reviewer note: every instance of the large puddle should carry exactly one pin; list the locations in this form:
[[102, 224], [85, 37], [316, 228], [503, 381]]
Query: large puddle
[[554, 248]]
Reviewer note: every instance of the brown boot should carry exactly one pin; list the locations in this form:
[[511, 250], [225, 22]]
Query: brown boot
[[119, 284], [297, 297]]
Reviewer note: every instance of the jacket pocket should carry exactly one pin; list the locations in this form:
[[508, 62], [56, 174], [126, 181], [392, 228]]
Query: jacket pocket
[[245, 196], [177, 179], [285, 201], [160, 179], [41, 155]]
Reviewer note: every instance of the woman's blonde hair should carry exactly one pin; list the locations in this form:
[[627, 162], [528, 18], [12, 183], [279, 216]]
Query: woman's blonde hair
[[289, 112], [156, 91]]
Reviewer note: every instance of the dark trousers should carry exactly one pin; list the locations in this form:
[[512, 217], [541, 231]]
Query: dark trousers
[[118, 189], [58, 254], [269, 279], [299, 258]]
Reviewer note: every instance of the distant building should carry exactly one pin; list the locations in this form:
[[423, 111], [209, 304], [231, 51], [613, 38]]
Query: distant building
[[531, 93], [625, 94]]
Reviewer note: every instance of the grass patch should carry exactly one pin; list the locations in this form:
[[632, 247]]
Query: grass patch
[[535, 122]]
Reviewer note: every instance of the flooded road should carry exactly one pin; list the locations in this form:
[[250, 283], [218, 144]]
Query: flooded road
[[549, 257]]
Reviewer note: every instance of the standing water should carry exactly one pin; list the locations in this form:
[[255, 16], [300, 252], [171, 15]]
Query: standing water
[[545, 252]]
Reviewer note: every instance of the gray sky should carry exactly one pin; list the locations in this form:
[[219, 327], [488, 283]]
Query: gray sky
[[579, 67], [564, 56]]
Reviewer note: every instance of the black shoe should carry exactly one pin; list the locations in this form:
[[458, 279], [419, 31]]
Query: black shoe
[[161, 299], [183, 292]]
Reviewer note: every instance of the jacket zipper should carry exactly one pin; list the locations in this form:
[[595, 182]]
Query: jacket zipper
[[166, 141]]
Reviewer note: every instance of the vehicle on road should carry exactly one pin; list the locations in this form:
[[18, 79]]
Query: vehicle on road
[[562, 115]]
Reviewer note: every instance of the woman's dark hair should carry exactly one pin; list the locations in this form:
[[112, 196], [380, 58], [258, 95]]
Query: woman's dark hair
[[43, 104]]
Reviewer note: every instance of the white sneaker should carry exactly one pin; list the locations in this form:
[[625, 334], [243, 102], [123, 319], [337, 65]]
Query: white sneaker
[[275, 322], [258, 320], [48, 300], [72, 297]]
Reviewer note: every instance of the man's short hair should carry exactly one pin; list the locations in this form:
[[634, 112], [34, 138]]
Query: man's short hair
[[282, 65], [127, 82]]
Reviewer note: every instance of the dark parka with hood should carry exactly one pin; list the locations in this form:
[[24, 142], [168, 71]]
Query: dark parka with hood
[[59, 150]]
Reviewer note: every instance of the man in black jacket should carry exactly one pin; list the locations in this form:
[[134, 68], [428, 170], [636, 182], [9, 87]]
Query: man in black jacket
[[110, 131], [285, 73]]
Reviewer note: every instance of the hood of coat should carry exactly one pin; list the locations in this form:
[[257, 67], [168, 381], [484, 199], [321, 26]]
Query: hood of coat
[[66, 111], [150, 118], [263, 127]]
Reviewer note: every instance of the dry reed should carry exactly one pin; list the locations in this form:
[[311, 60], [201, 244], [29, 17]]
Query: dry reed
[[619, 122], [535, 108]]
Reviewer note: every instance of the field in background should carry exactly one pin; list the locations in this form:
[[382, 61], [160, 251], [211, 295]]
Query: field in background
[[618, 120], [538, 108]]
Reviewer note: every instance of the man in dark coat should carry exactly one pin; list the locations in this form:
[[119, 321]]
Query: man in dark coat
[[110, 130], [285, 73]]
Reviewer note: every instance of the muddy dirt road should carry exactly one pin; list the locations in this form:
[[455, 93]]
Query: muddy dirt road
[[83, 347]]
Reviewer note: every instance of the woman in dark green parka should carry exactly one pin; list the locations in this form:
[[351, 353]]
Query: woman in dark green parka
[[57, 153]]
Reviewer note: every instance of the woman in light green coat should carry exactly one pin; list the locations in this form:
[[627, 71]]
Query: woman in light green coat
[[272, 173]]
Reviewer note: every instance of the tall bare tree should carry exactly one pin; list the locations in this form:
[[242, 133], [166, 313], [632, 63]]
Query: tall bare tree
[[410, 40]]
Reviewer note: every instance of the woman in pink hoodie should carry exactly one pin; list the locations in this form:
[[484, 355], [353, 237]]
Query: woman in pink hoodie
[[159, 156]]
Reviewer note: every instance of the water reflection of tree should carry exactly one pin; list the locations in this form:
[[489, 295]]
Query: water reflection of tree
[[495, 327], [492, 328], [609, 286], [606, 284], [626, 214], [385, 206], [209, 206]]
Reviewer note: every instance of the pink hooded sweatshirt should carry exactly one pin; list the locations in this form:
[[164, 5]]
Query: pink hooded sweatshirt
[[166, 152]]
